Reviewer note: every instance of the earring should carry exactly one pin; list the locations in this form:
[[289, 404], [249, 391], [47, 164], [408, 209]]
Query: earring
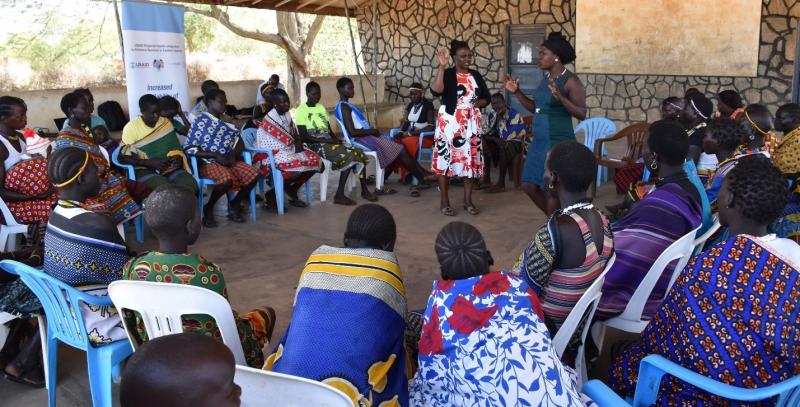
[[551, 186], [653, 166], [752, 137], [556, 59]]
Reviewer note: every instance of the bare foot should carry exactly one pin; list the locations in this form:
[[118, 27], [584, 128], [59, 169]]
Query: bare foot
[[343, 200]]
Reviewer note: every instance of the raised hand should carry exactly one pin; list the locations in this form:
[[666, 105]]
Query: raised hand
[[444, 58], [511, 84]]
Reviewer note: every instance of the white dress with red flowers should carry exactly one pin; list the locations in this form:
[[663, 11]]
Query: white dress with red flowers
[[457, 147], [483, 344]]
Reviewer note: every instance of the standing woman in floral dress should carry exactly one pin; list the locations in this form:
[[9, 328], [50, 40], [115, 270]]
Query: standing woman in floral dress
[[457, 151]]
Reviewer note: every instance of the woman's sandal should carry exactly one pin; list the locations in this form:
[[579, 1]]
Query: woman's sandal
[[414, 192], [23, 377], [369, 197], [209, 222], [495, 189], [344, 201], [385, 191], [297, 203], [448, 211], [471, 209]]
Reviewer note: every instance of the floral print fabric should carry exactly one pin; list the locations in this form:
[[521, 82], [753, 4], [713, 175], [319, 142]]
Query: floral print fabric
[[483, 344]]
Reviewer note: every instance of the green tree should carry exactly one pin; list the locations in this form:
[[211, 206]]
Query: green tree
[[199, 34]]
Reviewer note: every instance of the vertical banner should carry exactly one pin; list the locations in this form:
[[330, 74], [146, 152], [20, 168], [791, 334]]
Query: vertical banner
[[155, 54]]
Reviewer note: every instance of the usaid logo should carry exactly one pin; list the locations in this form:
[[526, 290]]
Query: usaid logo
[[139, 65]]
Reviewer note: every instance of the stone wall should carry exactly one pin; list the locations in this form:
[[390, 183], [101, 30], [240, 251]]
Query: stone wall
[[410, 31]]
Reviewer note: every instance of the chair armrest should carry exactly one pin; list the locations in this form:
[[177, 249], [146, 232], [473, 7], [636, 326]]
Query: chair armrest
[[393, 133], [129, 168], [429, 133], [247, 156], [602, 395], [653, 367], [97, 300]]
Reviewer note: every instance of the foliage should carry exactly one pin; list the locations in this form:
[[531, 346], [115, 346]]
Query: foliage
[[199, 33]]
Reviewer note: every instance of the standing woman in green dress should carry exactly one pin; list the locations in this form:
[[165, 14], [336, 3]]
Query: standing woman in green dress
[[557, 99]]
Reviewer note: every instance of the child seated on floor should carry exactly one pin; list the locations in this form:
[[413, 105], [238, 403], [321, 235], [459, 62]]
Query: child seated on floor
[[174, 217], [180, 370]]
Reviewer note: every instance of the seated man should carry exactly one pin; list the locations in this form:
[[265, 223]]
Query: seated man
[[483, 341], [389, 153], [151, 145], [158, 374], [312, 122], [173, 216], [503, 142], [349, 315]]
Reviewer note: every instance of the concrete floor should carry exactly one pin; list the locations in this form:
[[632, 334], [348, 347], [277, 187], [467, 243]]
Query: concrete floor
[[262, 260]]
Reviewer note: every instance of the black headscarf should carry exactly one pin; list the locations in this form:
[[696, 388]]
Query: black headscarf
[[558, 44]]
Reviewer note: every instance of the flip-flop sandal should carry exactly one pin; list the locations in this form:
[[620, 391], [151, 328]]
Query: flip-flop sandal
[[384, 191], [448, 211], [472, 210], [495, 189], [415, 192], [297, 203], [236, 217], [370, 198], [209, 222], [23, 380], [344, 201]]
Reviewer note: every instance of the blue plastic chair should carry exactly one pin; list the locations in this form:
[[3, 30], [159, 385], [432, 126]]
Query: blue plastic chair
[[653, 368], [249, 139], [594, 129], [337, 113], [65, 324], [202, 183], [139, 221], [420, 150]]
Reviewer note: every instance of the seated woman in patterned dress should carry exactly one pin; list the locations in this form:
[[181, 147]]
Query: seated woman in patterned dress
[[312, 122], [216, 144], [278, 133], [24, 185], [420, 117], [733, 314], [390, 153], [571, 249], [483, 341], [173, 216], [349, 315], [787, 159], [113, 196], [666, 214], [84, 248]]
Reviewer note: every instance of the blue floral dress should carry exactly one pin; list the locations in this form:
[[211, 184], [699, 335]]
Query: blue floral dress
[[483, 344]]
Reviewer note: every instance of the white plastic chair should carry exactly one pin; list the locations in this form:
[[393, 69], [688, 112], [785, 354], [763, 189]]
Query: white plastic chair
[[583, 310], [631, 319], [325, 175], [10, 228], [162, 304], [701, 241], [365, 149], [270, 389]]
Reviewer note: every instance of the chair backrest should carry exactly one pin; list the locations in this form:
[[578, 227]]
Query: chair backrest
[[635, 136], [583, 310], [161, 306], [595, 128], [337, 112], [270, 389], [680, 250], [249, 137], [701, 241], [60, 302]]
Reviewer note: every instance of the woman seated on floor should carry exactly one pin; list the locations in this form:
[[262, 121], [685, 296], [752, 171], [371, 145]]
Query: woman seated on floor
[[24, 186], [420, 117], [312, 123], [349, 315], [83, 248], [216, 144], [483, 341], [571, 249], [278, 133], [733, 314], [787, 159], [151, 145], [503, 143], [173, 216], [757, 122], [113, 196], [666, 214], [390, 153]]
